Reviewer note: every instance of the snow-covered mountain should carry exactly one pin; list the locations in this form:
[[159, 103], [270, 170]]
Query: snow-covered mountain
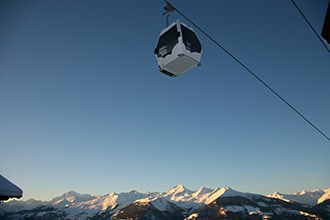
[[177, 203]]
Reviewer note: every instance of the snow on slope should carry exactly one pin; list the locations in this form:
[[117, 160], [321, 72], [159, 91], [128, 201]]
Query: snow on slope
[[225, 192], [325, 196], [115, 200], [277, 195], [202, 191], [181, 197], [305, 197], [159, 203]]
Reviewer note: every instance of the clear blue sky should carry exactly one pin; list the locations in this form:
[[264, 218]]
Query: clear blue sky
[[83, 106]]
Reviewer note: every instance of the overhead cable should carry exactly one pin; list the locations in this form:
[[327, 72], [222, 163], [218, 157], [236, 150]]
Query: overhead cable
[[250, 71], [311, 26]]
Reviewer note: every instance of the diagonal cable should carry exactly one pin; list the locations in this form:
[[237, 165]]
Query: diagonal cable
[[311, 26], [251, 72]]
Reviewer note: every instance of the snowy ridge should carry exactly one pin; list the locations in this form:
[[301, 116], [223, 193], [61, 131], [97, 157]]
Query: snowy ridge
[[159, 203], [201, 191], [72, 196], [325, 196], [178, 195], [305, 197], [110, 201], [277, 195], [189, 199]]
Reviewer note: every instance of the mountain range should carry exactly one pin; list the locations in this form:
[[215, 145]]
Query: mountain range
[[177, 203]]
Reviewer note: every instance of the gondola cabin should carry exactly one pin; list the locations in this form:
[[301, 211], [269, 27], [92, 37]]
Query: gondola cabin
[[178, 49]]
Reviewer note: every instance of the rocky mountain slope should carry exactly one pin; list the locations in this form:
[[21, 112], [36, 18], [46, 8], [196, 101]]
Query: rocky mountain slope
[[177, 203]]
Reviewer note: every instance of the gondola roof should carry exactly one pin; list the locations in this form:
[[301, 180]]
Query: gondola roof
[[9, 190]]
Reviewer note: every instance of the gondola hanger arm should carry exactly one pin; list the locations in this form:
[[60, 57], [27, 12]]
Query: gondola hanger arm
[[168, 9]]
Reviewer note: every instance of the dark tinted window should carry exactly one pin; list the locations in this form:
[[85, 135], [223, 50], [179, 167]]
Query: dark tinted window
[[190, 40], [166, 42]]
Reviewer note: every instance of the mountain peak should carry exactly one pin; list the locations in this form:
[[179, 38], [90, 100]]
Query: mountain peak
[[72, 196], [325, 196], [226, 191], [133, 191], [66, 195], [201, 191], [71, 193], [179, 189], [302, 192]]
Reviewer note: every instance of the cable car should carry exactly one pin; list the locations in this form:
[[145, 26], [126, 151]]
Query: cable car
[[178, 49]]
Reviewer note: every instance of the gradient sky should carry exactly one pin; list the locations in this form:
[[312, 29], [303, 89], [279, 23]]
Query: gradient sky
[[83, 106]]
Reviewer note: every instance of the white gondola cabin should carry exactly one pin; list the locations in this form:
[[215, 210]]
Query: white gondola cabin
[[178, 49]]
